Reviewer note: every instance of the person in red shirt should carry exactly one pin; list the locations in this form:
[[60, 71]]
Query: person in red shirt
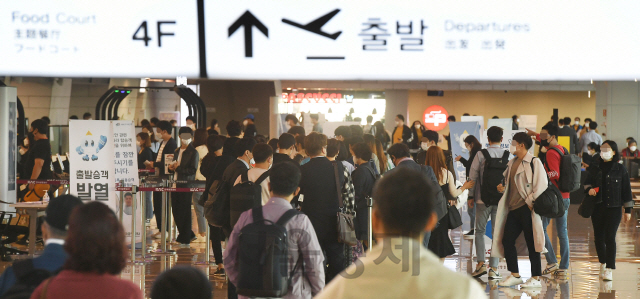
[[632, 150], [97, 255], [548, 139]]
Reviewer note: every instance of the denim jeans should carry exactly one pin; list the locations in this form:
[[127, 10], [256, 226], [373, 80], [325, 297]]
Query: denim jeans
[[482, 217], [563, 237], [202, 223]]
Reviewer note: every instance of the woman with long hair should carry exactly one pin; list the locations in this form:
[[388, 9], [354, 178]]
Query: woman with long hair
[[155, 145], [608, 181], [145, 155], [440, 244], [97, 254], [200, 143], [370, 141], [381, 134], [418, 131], [473, 146]]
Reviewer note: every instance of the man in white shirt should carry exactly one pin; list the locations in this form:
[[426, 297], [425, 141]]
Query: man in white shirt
[[263, 157], [399, 266]]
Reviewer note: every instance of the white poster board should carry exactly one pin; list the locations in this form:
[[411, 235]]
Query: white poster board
[[507, 137], [528, 122], [504, 123], [126, 169], [479, 119], [93, 162]]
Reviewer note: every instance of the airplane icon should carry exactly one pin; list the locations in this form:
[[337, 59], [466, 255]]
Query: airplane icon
[[316, 25]]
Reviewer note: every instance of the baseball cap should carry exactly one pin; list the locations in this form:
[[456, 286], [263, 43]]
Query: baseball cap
[[249, 116], [59, 209]]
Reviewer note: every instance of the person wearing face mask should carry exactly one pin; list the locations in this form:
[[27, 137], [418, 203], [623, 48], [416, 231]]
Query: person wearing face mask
[[167, 146], [418, 132], [263, 157], [401, 133], [590, 136], [526, 180], [632, 150], [594, 150], [184, 167], [609, 182], [566, 130], [485, 201], [473, 147], [191, 122], [145, 156], [430, 139], [155, 145], [585, 128], [576, 125], [548, 138]]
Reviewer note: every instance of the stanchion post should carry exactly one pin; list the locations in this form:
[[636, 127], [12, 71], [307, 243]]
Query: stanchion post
[[370, 234], [134, 190], [163, 229], [207, 246], [143, 208], [121, 203], [170, 215]]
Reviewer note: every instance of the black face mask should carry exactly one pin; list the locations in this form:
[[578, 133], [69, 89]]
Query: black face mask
[[544, 142]]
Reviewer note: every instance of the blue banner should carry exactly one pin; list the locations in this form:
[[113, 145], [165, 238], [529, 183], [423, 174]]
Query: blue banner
[[459, 131]]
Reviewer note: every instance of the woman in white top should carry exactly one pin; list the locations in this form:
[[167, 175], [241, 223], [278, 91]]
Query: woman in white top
[[200, 143], [439, 243]]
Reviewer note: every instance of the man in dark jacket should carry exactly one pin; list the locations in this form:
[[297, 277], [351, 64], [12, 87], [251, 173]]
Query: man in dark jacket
[[566, 130], [320, 202], [234, 130], [167, 147], [184, 167], [401, 158], [401, 133], [364, 178], [286, 148]]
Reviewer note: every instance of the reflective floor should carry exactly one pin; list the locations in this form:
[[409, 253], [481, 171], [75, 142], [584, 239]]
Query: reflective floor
[[583, 281]]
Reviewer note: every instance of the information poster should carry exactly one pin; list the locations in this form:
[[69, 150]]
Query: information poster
[[458, 132], [94, 167], [478, 119], [504, 123], [126, 172], [528, 122]]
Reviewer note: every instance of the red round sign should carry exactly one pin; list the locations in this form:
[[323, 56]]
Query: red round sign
[[435, 118]]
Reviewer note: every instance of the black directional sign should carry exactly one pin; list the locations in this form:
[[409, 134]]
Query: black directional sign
[[316, 25], [248, 20]]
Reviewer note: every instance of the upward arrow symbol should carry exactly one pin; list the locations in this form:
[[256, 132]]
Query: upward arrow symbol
[[248, 20]]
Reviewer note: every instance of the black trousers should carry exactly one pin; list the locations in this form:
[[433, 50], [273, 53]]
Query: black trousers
[[181, 208], [334, 259], [605, 226], [519, 221], [216, 236], [157, 209]]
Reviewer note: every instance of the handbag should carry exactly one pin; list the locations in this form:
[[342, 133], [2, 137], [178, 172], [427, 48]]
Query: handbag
[[588, 205], [454, 220], [346, 226], [37, 193]]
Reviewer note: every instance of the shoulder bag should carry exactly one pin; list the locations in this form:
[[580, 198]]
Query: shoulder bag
[[346, 226]]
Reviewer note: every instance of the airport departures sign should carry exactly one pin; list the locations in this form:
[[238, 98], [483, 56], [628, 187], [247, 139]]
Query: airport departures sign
[[323, 40]]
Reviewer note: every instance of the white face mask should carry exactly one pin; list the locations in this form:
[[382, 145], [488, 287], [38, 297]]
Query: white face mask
[[158, 136], [577, 122], [137, 143], [418, 127], [468, 148], [26, 142], [633, 148], [512, 149], [591, 153], [185, 141], [245, 123], [397, 123], [192, 126], [252, 162], [606, 156], [424, 146]]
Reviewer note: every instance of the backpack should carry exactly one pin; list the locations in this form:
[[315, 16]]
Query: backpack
[[245, 196], [570, 170], [550, 203], [492, 176], [28, 279], [216, 209], [263, 256]]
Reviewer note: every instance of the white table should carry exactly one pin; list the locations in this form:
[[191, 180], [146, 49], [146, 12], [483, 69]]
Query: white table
[[34, 210]]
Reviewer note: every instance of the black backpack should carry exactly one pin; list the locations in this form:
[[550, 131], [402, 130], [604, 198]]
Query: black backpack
[[492, 176], [570, 170], [245, 196], [263, 256], [550, 203], [28, 279], [216, 208]]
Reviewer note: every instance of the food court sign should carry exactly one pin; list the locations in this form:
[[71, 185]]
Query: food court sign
[[435, 118]]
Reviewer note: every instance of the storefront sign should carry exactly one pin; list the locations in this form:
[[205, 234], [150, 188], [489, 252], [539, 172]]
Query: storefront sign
[[315, 97], [435, 118]]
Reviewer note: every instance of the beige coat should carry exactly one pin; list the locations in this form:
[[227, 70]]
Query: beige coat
[[530, 188]]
